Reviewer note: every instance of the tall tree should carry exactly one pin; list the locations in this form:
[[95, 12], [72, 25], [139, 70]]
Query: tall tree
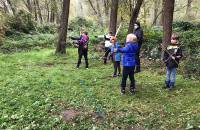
[[168, 11], [61, 45], [113, 16], [188, 9], [39, 10], [28, 4], [12, 7], [134, 15]]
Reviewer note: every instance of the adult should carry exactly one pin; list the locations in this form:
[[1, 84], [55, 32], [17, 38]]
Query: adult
[[139, 34], [82, 44]]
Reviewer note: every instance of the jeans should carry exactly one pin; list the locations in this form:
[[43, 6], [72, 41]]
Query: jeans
[[170, 76]]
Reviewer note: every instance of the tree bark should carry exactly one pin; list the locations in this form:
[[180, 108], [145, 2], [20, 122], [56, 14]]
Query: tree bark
[[134, 15], [28, 5], [90, 2], [156, 14], [113, 16], [61, 45], [188, 9], [12, 7], [35, 10], [39, 11], [168, 11]]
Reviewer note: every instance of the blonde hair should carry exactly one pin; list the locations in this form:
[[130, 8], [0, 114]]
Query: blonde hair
[[131, 38]]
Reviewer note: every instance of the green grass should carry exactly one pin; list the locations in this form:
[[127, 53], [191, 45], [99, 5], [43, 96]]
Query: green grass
[[36, 87]]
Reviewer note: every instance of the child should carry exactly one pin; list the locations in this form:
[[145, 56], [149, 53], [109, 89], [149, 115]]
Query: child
[[115, 56], [128, 62], [82, 44], [107, 46], [172, 55]]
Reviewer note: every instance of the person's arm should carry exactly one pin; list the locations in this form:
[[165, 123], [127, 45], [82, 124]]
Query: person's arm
[[76, 38], [166, 56], [179, 54], [123, 50]]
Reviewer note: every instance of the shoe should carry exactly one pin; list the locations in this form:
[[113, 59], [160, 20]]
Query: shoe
[[77, 68], [114, 75], [87, 68], [122, 91], [119, 75], [132, 91]]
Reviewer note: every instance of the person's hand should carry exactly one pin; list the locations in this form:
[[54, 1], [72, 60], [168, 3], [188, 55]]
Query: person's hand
[[173, 57], [178, 56], [76, 45]]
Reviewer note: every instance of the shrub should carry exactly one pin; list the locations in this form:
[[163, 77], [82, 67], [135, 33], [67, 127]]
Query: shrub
[[24, 42], [47, 28], [21, 22]]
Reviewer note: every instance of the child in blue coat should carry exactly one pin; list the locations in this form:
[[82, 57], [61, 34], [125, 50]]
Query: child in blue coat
[[116, 56], [128, 62]]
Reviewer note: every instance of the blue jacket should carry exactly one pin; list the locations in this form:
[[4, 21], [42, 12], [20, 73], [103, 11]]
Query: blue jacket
[[129, 51], [117, 55]]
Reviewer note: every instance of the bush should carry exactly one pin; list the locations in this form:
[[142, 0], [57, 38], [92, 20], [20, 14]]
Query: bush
[[47, 28], [21, 22], [24, 42]]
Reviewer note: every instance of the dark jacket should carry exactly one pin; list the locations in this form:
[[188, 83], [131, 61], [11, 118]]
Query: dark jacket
[[129, 52], [139, 34], [175, 51], [82, 42]]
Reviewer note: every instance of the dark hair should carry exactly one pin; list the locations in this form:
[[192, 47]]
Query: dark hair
[[138, 23], [111, 33], [86, 33]]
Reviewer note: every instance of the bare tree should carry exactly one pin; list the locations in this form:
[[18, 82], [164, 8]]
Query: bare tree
[[168, 11], [61, 45], [12, 7], [28, 4], [39, 10], [113, 16], [134, 15], [188, 9]]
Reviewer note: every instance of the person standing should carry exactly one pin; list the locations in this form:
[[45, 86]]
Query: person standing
[[139, 34], [128, 62], [108, 46], [82, 44]]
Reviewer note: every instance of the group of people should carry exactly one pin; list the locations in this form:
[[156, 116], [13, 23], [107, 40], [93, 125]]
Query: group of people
[[129, 56]]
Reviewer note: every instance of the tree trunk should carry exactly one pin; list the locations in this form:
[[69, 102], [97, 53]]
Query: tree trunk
[[12, 7], [99, 14], [113, 16], [156, 14], [188, 10], [134, 15], [28, 5], [39, 11], [168, 11], [53, 11], [61, 45], [35, 10]]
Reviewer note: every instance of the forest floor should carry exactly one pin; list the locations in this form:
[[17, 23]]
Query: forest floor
[[39, 90]]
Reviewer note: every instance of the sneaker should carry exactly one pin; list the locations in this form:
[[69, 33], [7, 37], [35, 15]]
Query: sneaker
[[119, 75], [114, 75], [77, 68], [87, 68], [132, 91], [122, 92]]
